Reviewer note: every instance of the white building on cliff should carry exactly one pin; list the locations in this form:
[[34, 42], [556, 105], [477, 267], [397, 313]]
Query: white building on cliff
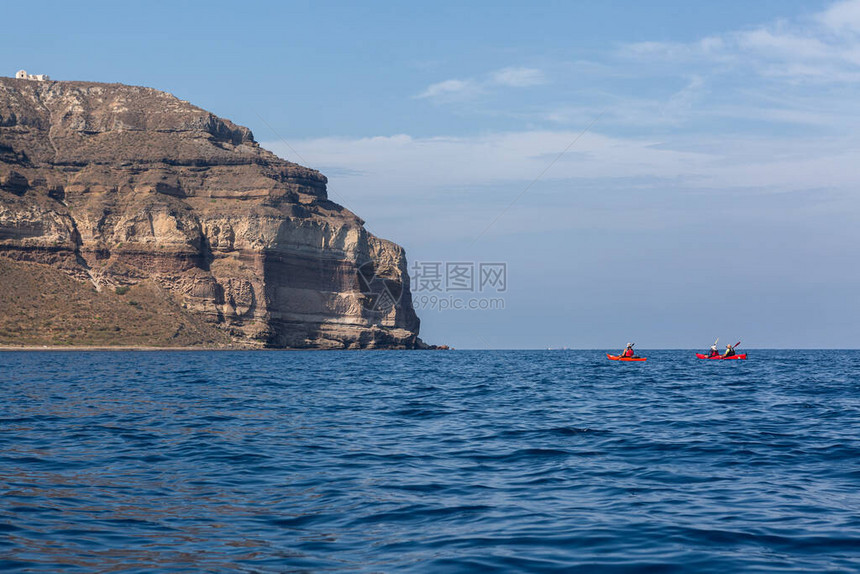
[[23, 75]]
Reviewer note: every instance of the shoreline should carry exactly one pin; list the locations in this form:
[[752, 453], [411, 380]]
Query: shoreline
[[119, 348], [78, 348]]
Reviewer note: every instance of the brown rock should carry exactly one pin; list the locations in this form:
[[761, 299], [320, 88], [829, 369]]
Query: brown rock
[[118, 185]]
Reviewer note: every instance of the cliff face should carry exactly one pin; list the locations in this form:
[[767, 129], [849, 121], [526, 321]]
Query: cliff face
[[117, 184]]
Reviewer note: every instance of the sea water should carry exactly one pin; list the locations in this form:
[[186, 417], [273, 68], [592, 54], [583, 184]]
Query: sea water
[[429, 462]]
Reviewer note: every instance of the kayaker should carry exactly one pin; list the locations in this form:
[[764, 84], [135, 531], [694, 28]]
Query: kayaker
[[730, 351], [628, 351], [713, 352]]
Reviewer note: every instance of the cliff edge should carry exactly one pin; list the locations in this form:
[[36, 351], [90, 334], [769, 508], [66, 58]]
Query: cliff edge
[[123, 187]]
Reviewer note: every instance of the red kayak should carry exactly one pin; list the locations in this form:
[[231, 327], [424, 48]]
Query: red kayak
[[620, 358], [722, 358]]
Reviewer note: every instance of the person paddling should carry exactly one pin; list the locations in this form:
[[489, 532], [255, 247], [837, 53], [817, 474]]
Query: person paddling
[[714, 352], [628, 352], [730, 351]]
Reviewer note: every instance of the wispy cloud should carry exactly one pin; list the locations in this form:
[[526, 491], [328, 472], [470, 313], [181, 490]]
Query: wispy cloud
[[461, 89], [755, 111], [824, 48], [518, 77], [403, 165], [450, 90], [438, 190], [842, 17]]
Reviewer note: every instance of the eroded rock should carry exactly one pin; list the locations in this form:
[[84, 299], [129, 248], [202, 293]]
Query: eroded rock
[[120, 184]]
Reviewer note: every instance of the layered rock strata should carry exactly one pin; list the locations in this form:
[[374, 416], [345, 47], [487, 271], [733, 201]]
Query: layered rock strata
[[117, 184]]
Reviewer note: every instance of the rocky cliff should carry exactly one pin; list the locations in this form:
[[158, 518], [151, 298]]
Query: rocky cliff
[[118, 185]]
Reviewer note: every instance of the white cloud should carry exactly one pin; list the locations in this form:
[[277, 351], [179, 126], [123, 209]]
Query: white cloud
[[822, 49], [783, 45], [681, 103], [401, 165], [456, 89], [445, 190], [671, 51], [842, 17], [419, 163], [633, 112], [712, 44], [518, 77], [718, 87], [450, 90]]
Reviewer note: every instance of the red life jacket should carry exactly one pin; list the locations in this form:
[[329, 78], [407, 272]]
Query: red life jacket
[[628, 353]]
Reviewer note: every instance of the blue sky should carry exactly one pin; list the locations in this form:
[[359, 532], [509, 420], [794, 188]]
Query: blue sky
[[715, 193]]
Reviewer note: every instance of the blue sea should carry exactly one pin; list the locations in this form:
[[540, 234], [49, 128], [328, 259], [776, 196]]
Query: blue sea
[[464, 461]]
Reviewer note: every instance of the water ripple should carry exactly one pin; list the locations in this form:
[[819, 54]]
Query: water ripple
[[455, 462]]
